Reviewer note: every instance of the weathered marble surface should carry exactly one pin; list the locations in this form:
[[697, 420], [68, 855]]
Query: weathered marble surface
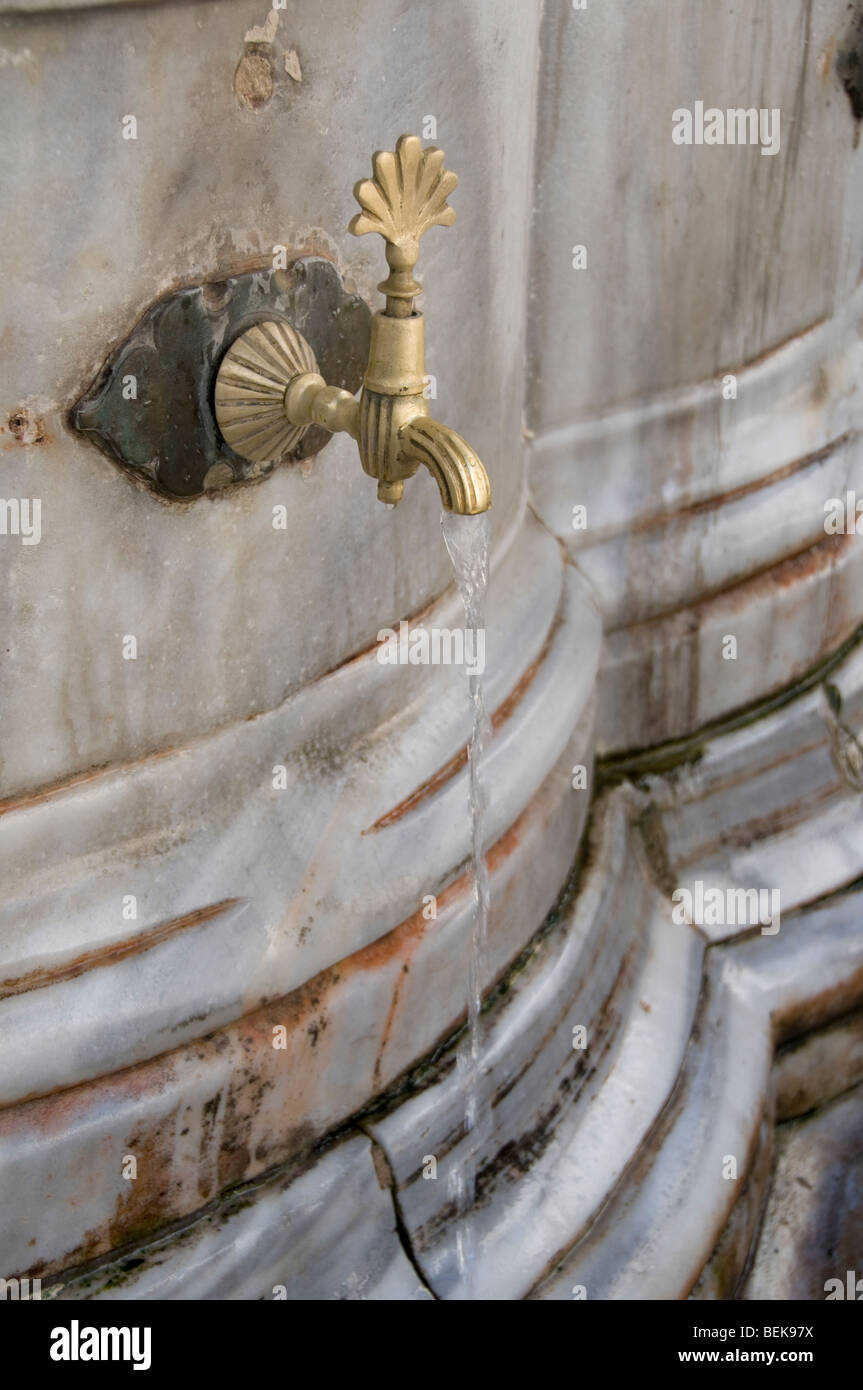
[[704, 514], [653, 1240], [327, 936], [615, 965], [301, 908], [153, 778], [700, 258], [767, 462], [775, 803], [231, 616], [313, 874], [632, 1136], [665, 679], [813, 1222], [330, 1234]]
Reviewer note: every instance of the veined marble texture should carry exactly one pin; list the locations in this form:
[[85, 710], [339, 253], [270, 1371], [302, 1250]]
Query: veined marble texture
[[315, 917], [231, 616], [606, 1171], [704, 409], [216, 954]]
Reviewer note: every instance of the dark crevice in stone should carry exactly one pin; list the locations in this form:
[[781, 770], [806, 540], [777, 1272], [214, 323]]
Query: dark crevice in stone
[[387, 1177]]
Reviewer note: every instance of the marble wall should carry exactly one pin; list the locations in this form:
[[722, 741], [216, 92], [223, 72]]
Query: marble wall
[[705, 265], [169, 907]]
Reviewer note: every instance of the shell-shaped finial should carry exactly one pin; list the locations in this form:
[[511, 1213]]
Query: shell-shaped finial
[[250, 391], [407, 195]]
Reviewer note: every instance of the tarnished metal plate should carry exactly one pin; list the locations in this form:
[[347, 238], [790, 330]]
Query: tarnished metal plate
[[151, 407]]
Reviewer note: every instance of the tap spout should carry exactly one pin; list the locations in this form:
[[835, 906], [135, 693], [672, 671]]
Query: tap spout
[[463, 482]]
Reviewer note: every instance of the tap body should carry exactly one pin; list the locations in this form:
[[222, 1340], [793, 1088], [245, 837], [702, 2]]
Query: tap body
[[268, 389]]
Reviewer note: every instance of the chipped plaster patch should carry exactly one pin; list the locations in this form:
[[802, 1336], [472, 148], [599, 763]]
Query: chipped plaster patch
[[266, 32]]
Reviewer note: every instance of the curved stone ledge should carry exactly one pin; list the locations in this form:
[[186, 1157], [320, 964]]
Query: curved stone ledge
[[616, 966], [655, 1237], [814, 1070], [588, 967], [702, 551], [665, 679], [331, 943], [657, 459], [774, 804], [232, 1105], [604, 1167], [309, 881], [328, 1234]]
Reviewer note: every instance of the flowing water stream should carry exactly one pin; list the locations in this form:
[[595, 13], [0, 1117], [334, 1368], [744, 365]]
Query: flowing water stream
[[467, 540]]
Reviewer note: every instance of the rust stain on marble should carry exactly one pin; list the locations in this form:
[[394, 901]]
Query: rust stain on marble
[[723, 499], [25, 428], [116, 951], [815, 559], [232, 1087], [79, 779]]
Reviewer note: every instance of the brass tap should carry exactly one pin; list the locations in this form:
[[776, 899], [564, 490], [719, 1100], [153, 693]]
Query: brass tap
[[268, 390]]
